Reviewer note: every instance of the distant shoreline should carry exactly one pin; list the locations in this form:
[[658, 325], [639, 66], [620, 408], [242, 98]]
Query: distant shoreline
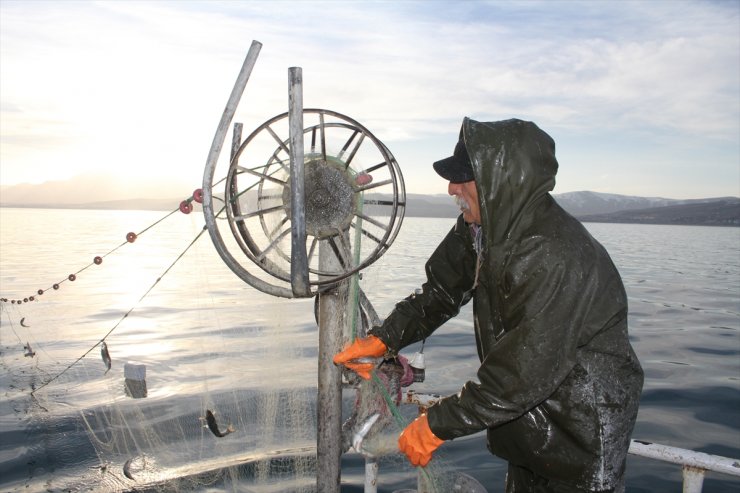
[[721, 213]]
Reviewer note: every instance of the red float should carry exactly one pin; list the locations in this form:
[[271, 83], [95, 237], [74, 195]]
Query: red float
[[198, 195], [186, 207], [98, 260], [72, 277], [131, 237], [56, 286], [40, 292]]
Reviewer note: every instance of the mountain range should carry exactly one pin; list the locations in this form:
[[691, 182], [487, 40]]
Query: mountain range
[[611, 208], [99, 192]]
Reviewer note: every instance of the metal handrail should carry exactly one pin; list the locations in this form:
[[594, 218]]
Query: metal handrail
[[694, 464]]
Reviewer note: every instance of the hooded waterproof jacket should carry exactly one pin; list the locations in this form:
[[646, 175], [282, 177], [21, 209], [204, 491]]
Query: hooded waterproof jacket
[[559, 383]]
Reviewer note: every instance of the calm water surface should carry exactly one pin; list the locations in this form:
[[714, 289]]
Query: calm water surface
[[210, 342]]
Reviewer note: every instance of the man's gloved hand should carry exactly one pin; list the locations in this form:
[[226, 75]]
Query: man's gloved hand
[[418, 442], [367, 347]]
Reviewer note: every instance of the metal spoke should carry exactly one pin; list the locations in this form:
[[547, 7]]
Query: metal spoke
[[272, 245], [373, 185], [338, 252], [239, 195], [369, 235], [382, 202], [354, 151], [272, 196], [347, 144], [377, 166], [277, 139], [280, 161], [260, 175], [244, 217], [372, 221], [280, 225], [346, 247]]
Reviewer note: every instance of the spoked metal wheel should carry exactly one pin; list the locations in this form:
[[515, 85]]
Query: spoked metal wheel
[[353, 202]]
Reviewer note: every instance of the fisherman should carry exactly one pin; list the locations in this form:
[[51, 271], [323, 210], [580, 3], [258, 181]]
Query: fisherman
[[559, 383]]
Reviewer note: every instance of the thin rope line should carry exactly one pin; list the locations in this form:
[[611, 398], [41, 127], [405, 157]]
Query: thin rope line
[[124, 316], [62, 281]]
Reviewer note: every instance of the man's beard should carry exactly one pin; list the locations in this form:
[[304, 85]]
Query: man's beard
[[462, 203]]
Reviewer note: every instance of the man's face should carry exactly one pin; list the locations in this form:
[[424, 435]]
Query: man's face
[[466, 196]]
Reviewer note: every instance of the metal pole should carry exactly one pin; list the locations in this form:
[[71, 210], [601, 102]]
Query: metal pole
[[298, 259], [693, 479], [332, 318], [371, 474]]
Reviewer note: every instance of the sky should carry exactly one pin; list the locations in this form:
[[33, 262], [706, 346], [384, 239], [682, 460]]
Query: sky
[[642, 98]]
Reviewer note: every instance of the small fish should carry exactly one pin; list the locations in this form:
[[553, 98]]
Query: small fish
[[22, 324], [362, 432], [213, 426], [127, 467], [354, 375], [106, 356], [367, 359], [29, 352]]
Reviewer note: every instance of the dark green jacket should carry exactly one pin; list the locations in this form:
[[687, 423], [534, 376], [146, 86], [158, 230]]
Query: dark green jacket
[[559, 384]]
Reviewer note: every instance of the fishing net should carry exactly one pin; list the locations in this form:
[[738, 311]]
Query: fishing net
[[186, 339]]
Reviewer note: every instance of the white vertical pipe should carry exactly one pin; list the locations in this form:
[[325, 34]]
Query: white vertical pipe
[[371, 474], [693, 479]]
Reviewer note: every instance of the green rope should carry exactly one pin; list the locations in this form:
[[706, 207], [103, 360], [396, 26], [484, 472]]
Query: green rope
[[400, 421], [354, 296], [389, 402]]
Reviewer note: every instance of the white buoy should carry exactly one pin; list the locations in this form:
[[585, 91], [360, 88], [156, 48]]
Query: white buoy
[[135, 380]]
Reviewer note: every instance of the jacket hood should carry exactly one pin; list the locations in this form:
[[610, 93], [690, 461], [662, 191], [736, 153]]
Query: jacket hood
[[514, 165]]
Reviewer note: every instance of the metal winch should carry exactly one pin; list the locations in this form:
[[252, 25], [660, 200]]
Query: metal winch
[[310, 198]]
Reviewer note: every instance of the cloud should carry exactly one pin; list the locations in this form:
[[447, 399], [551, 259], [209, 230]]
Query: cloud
[[144, 84]]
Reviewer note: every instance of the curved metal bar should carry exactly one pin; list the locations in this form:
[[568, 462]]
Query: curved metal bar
[[213, 154]]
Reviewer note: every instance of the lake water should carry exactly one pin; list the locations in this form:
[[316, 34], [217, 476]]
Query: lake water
[[209, 341]]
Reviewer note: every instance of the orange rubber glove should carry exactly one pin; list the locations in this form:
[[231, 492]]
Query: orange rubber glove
[[418, 442], [367, 347]]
